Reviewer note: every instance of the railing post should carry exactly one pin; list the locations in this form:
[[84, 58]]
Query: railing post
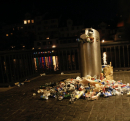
[[128, 54], [123, 56], [1, 65], [22, 65], [115, 56], [119, 56], [110, 54], [6, 70], [63, 60], [78, 59], [10, 65], [59, 60], [102, 55], [74, 60], [71, 59]]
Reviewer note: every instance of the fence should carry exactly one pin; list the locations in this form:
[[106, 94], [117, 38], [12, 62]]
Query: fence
[[118, 55], [18, 65]]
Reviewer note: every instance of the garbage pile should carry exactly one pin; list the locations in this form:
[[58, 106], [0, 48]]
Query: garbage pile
[[88, 87]]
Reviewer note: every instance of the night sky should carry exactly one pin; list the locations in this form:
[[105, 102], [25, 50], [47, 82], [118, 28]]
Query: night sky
[[12, 11]]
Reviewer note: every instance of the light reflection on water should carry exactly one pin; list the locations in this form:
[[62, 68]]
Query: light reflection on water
[[50, 62], [42, 63]]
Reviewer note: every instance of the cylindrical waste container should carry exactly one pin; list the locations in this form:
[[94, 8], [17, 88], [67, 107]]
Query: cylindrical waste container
[[90, 55]]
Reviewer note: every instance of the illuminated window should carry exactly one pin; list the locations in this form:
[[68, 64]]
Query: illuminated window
[[47, 38], [11, 33], [28, 21], [32, 21], [25, 21], [39, 48], [53, 46], [7, 35]]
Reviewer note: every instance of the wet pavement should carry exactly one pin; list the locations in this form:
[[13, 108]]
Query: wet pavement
[[19, 104]]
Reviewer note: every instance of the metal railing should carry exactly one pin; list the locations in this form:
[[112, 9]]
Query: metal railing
[[119, 55], [18, 65]]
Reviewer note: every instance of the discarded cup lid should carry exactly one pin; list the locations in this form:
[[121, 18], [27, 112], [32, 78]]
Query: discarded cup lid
[[22, 83], [34, 94], [16, 83]]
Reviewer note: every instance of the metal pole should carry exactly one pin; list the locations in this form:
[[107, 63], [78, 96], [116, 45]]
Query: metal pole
[[128, 54], [79, 67], [123, 56], [115, 56], [102, 55], [10, 65], [63, 64], [74, 60], [119, 57], [111, 55], [71, 59], [6, 68], [67, 59], [1, 65]]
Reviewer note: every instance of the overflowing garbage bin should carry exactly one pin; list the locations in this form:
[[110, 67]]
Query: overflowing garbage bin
[[90, 55]]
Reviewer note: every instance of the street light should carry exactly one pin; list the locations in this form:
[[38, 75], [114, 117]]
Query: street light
[[54, 46], [103, 41]]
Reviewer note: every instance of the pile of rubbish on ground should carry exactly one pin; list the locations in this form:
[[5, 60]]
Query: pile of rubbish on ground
[[88, 87]]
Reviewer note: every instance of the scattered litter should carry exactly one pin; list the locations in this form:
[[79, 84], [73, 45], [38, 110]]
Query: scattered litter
[[26, 80], [22, 83], [88, 87], [19, 85], [128, 93], [42, 74], [16, 83], [34, 94]]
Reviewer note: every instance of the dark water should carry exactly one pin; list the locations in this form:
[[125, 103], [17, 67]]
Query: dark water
[[50, 62]]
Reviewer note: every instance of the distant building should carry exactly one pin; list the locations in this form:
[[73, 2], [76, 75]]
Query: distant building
[[56, 31]]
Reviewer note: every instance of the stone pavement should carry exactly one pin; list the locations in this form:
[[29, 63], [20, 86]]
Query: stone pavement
[[19, 104]]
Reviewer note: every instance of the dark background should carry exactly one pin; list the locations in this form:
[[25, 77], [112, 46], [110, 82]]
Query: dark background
[[13, 11]]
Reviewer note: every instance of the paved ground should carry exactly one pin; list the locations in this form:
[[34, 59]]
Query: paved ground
[[18, 104]]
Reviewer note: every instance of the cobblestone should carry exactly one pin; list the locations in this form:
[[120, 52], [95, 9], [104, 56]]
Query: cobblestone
[[19, 104]]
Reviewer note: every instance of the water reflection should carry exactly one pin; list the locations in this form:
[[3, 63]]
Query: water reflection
[[50, 62]]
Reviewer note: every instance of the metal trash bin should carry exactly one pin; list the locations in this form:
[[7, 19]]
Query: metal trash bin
[[90, 55]]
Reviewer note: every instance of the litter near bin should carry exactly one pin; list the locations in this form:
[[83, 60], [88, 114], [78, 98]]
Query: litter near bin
[[89, 88], [26, 80], [18, 84], [42, 74], [34, 94]]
